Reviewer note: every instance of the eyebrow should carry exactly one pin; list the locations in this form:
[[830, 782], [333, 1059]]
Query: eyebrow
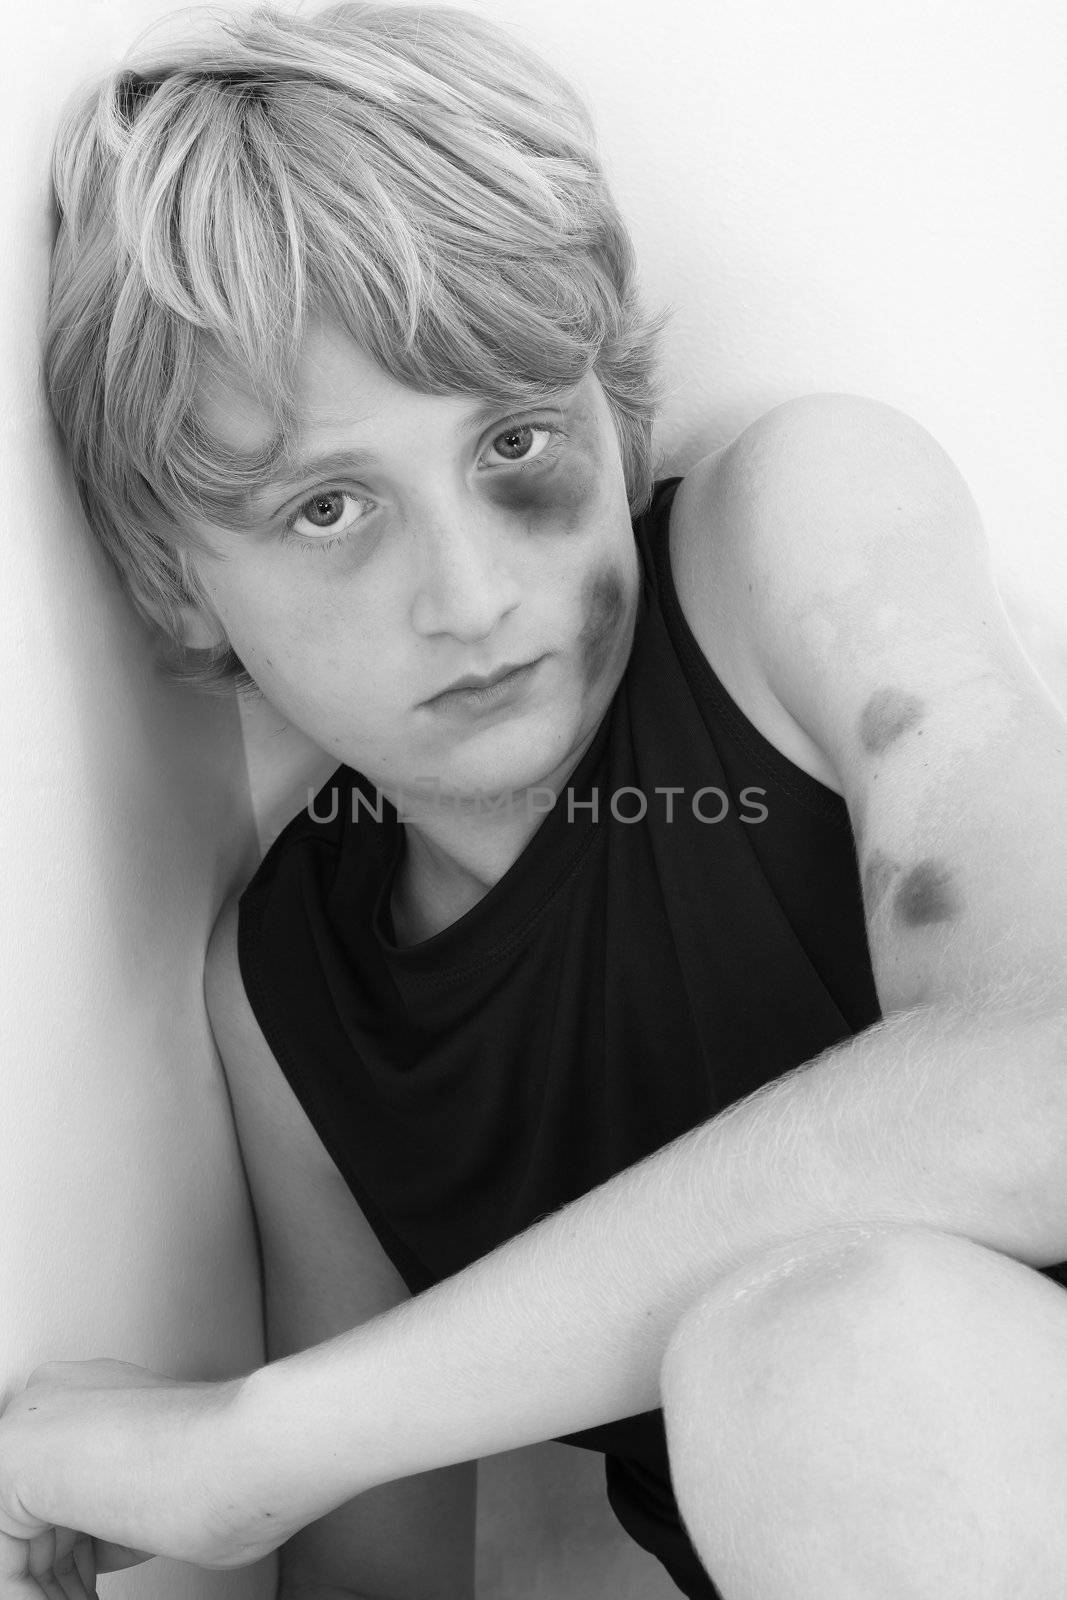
[[294, 469]]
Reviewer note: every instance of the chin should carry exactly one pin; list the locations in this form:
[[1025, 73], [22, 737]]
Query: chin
[[520, 755]]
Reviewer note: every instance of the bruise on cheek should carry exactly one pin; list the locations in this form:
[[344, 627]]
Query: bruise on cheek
[[887, 714], [604, 614], [926, 894]]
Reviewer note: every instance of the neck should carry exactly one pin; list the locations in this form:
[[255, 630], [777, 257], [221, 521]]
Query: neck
[[454, 854], [434, 888]]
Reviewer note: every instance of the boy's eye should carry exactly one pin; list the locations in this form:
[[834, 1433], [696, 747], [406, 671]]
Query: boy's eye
[[335, 512], [329, 511], [521, 443]]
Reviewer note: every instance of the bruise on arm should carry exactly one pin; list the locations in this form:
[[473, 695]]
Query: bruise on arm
[[885, 716], [927, 893], [878, 626], [919, 892]]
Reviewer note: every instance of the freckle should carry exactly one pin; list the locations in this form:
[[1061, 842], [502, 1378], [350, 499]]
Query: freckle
[[878, 873], [926, 895], [887, 714]]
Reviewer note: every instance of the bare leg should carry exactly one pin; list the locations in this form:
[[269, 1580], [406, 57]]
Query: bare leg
[[876, 1414]]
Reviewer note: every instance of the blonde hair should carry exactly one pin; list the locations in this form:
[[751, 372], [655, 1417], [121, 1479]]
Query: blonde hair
[[406, 171]]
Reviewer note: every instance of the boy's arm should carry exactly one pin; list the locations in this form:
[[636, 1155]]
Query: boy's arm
[[324, 1271], [951, 1118], [946, 1119]]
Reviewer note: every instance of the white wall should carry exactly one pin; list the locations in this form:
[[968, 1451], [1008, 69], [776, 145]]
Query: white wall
[[125, 812]]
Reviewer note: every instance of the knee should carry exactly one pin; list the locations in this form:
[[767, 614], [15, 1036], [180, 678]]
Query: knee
[[850, 1310], [817, 1279], [894, 1397]]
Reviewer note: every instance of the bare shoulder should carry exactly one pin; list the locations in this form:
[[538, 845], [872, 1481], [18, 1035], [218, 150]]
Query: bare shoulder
[[803, 496], [259, 1092], [237, 1032], [724, 514], [798, 468], [792, 525], [296, 1189]]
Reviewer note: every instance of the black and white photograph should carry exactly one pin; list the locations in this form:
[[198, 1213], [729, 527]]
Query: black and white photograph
[[534, 1055]]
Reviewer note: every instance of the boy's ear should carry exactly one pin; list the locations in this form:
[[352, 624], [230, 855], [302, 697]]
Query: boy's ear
[[199, 630]]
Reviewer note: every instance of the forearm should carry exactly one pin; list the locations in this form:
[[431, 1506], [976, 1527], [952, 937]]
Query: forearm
[[954, 1122]]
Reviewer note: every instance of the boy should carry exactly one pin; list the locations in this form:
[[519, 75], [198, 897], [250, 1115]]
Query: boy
[[654, 799]]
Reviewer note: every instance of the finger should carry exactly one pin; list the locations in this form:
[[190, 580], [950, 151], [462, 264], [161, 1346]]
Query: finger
[[15, 1580], [65, 1570], [85, 1561], [41, 1555]]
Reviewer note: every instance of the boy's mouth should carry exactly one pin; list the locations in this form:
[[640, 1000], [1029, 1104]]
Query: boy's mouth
[[498, 688]]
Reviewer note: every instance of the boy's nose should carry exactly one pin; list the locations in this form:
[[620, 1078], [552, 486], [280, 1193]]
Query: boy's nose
[[466, 583]]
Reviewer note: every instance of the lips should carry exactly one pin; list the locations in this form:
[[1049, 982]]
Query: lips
[[473, 682]]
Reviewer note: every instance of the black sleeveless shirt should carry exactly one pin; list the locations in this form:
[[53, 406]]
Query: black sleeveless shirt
[[650, 957]]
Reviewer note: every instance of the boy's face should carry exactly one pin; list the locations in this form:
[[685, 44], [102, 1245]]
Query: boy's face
[[439, 539]]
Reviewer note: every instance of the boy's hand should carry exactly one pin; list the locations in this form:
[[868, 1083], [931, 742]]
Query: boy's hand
[[60, 1563], [145, 1464]]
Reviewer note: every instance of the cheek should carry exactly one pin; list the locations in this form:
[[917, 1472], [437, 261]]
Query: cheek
[[571, 501], [607, 617], [559, 502]]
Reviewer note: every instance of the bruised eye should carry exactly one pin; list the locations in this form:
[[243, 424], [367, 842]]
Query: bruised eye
[[331, 511], [521, 443]]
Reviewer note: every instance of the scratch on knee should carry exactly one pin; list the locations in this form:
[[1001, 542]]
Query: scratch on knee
[[836, 1247]]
